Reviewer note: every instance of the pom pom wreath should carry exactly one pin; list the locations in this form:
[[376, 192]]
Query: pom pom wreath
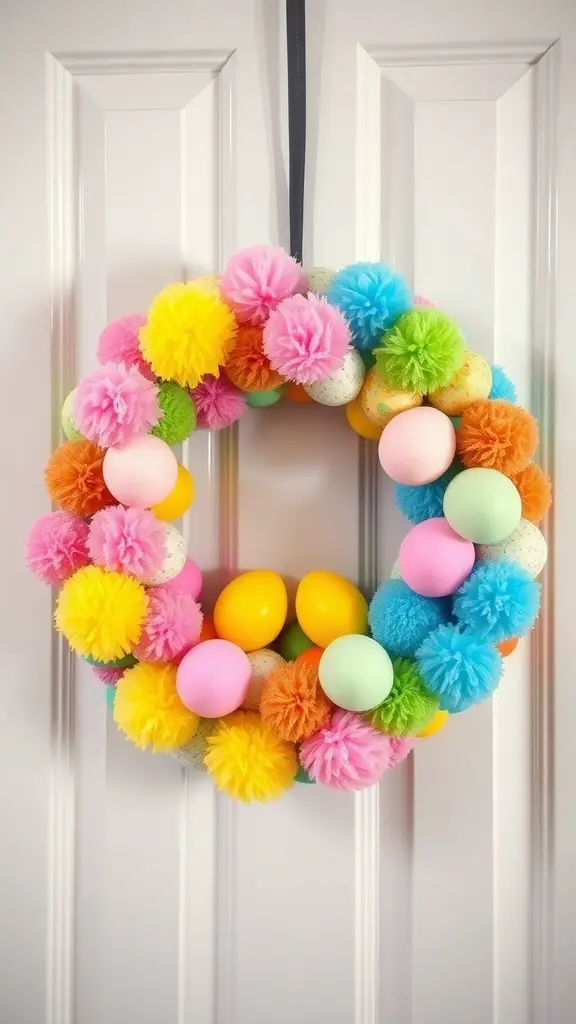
[[372, 298], [347, 753], [247, 366], [129, 540], [422, 352], [190, 332], [218, 403], [461, 669], [248, 760], [409, 706], [178, 413], [499, 600], [535, 492], [101, 613], [502, 386], [256, 280], [293, 703], [56, 547], [172, 625], [497, 435], [120, 343], [108, 676], [75, 481], [400, 620], [425, 501], [149, 711], [305, 339], [115, 404]]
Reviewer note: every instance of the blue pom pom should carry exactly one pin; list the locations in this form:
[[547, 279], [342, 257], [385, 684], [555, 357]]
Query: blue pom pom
[[498, 601], [502, 386], [372, 298], [427, 500], [461, 669], [400, 620]]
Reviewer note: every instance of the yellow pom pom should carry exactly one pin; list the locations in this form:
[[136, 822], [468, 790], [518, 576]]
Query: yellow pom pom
[[148, 710], [101, 613], [248, 760], [190, 332]]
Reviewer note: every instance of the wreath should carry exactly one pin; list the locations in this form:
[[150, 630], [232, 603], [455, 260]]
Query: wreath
[[340, 692]]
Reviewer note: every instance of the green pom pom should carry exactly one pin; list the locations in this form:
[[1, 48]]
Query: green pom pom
[[422, 352], [409, 707], [179, 419]]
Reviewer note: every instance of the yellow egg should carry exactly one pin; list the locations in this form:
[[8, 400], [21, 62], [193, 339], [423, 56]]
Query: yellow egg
[[329, 606], [179, 500], [358, 420], [381, 403], [472, 382], [434, 726], [251, 610]]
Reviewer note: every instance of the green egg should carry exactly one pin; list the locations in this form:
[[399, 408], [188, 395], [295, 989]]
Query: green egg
[[262, 399], [356, 673], [302, 776], [482, 505], [293, 641], [127, 662], [68, 425], [110, 696]]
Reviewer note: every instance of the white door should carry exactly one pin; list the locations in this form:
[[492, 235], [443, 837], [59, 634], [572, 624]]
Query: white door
[[143, 142]]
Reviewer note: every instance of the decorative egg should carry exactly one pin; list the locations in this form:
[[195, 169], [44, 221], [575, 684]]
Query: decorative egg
[[174, 559], [472, 382], [320, 279], [329, 606], [263, 662], [343, 385], [482, 505], [417, 446], [262, 399], [68, 425], [252, 609], [192, 754], [526, 546], [434, 560], [381, 402], [434, 726], [395, 573], [358, 420], [208, 282], [356, 673]]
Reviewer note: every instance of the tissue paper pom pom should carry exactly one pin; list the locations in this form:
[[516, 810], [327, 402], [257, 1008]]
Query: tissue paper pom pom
[[496, 435], [460, 668], [115, 404], [74, 479], [305, 339], [499, 600], [178, 413], [400, 747], [247, 366], [101, 613], [293, 702], [119, 343], [248, 760], [190, 332], [535, 492], [347, 753], [109, 676], [56, 547], [422, 352], [149, 711], [172, 625], [130, 540], [256, 280], [371, 297], [425, 501], [502, 386], [409, 706], [218, 403], [399, 619]]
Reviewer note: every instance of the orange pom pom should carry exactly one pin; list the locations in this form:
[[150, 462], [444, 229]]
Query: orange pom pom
[[247, 366], [293, 703], [497, 435], [310, 658], [535, 490], [507, 646], [296, 393], [74, 479]]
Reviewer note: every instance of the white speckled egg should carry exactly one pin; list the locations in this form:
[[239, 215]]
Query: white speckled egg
[[526, 546], [395, 571], [342, 386], [192, 755], [263, 662], [174, 559], [320, 279]]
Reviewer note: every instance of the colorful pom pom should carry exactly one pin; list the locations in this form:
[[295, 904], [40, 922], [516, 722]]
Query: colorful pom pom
[[256, 280], [400, 747], [56, 547], [115, 404], [248, 760], [247, 365], [101, 613], [422, 352], [293, 703], [218, 403], [130, 540], [347, 753], [496, 435], [74, 479], [149, 711], [372, 299], [502, 386], [425, 501], [172, 625], [535, 492], [305, 339], [409, 706], [120, 343], [178, 413], [499, 600], [400, 620], [108, 676], [458, 667]]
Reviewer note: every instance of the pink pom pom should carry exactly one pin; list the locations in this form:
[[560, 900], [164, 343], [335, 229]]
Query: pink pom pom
[[119, 343], [57, 546], [127, 540], [172, 625], [347, 753], [419, 300], [256, 280], [306, 339], [115, 404], [109, 676], [218, 403], [400, 747]]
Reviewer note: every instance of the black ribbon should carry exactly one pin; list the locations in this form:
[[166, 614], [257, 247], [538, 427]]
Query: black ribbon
[[296, 50]]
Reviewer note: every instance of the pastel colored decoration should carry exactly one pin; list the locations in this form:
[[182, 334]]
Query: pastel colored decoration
[[359, 422], [149, 711], [310, 657], [395, 573], [110, 696], [56, 546], [435, 725], [178, 413], [208, 631], [172, 625], [303, 777], [69, 427], [434, 561], [329, 606], [256, 280], [293, 641], [535, 490], [218, 403], [417, 446], [108, 676], [507, 647], [174, 558], [409, 706], [179, 500], [293, 703], [319, 281], [400, 620], [120, 343], [188, 581], [471, 382], [248, 760], [482, 505], [252, 609], [262, 664], [427, 500], [372, 297], [381, 403], [341, 386], [74, 479], [526, 546], [141, 473], [114, 404], [213, 678], [248, 366], [263, 399], [461, 669], [355, 673], [129, 540], [497, 435], [498, 601], [306, 339], [101, 613], [347, 753], [422, 351], [502, 386], [192, 754]]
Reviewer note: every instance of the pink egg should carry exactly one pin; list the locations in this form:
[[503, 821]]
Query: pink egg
[[417, 446], [188, 581], [434, 561], [140, 473], [213, 678]]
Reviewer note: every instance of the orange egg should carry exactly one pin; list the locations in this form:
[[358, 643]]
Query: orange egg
[[507, 646], [311, 657], [296, 393], [208, 632]]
